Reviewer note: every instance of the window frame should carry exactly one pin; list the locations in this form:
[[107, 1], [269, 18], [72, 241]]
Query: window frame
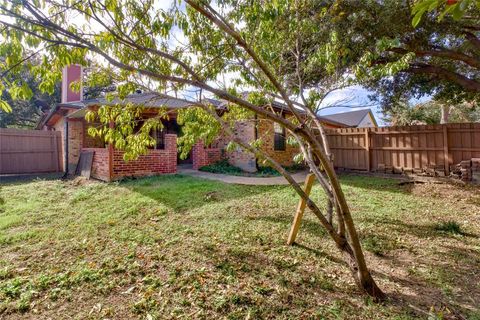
[[279, 138], [155, 133]]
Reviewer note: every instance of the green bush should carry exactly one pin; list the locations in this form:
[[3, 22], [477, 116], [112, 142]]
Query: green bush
[[224, 167]]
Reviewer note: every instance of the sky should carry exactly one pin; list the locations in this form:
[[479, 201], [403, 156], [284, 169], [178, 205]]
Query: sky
[[353, 98]]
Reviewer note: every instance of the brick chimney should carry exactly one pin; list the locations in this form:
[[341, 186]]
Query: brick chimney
[[72, 73]]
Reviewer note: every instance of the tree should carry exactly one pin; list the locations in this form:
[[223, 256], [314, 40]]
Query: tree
[[457, 8], [26, 112], [445, 50], [134, 40], [388, 54], [432, 112], [30, 105]]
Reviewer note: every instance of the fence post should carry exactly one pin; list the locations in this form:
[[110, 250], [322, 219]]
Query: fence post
[[445, 150], [367, 147]]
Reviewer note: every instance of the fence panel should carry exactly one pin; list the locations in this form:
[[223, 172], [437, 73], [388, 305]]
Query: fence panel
[[408, 148], [29, 151], [349, 147]]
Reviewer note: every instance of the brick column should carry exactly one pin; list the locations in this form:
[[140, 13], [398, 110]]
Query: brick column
[[171, 148], [199, 155]]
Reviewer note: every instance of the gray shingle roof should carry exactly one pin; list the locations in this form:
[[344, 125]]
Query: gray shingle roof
[[349, 118], [148, 100]]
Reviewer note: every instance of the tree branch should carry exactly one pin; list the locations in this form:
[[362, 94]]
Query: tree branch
[[442, 53], [227, 28], [260, 153], [474, 40], [441, 73]]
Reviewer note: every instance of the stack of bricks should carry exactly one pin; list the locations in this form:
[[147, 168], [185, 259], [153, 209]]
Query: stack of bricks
[[464, 170], [476, 170]]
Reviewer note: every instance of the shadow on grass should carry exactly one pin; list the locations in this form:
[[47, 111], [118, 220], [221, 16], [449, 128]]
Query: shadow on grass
[[309, 226], [420, 230], [319, 253], [9, 179], [419, 291], [438, 287], [369, 182], [182, 192]]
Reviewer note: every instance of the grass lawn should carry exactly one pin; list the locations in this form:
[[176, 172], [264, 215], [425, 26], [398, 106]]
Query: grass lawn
[[180, 247]]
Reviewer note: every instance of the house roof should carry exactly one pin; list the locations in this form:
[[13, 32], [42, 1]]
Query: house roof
[[351, 118], [284, 108], [59, 108], [153, 100], [148, 100]]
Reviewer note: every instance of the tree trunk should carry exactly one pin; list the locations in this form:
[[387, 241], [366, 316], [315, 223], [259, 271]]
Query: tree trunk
[[352, 249], [364, 281], [445, 113], [329, 211]]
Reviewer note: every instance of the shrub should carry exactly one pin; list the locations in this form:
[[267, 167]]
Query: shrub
[[224, 167]]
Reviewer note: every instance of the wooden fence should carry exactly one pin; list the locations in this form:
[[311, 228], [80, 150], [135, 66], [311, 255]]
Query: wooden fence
[[412, 148], [29, 151]]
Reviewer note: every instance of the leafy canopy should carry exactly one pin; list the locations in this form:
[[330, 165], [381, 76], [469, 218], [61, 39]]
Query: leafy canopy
[[170, 50]]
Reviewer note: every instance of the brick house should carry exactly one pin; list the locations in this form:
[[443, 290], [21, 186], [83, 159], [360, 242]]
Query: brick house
[[108, 164]]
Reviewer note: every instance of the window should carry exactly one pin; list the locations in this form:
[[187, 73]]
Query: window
[[279, 137], [159, 136]]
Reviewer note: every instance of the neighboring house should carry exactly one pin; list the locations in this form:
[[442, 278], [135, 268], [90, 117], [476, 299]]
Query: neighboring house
[[354, 119], [108, 164]]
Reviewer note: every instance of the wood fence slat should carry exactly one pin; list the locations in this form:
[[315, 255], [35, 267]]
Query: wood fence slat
[[29, 151]]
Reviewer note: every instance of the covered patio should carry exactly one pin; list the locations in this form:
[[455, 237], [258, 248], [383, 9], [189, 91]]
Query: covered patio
[[108, 163]]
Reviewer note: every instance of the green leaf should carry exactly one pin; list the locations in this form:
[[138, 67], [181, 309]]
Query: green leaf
[[416, 19], [5, 106]]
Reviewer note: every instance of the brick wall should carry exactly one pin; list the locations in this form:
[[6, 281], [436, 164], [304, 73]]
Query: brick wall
[[202, 156], [155, 162], [99, 164], [244, 130], [75, 137], [88, 140], [266, 133], [75, 141]]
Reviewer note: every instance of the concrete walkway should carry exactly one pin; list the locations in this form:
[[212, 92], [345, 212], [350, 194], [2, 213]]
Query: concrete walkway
[[253, 181]]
